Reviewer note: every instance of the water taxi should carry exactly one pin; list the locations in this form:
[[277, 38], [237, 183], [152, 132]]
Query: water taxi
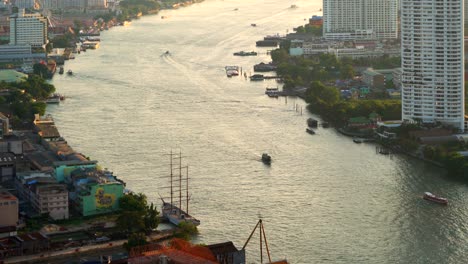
[[433, 198]]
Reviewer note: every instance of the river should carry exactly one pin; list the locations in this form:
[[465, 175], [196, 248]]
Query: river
[[324, 199]]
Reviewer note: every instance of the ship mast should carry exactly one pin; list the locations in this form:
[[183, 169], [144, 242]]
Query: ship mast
[[180, 180], [172, 192], [187, 191]]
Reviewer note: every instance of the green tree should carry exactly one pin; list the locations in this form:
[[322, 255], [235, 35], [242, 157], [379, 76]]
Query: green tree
[[185, 230], [136, 215], [135, 240]]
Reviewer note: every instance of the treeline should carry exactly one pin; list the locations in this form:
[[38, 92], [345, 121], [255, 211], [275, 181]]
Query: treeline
[[309, 29], [22, 100], [326, 102], [131, 8], [301, 71]]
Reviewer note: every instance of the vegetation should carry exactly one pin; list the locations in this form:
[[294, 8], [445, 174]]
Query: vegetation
[[309, 29], [131, 8], [185, 230], [23, 100], [326, 101], [135, 240], [136, 214]]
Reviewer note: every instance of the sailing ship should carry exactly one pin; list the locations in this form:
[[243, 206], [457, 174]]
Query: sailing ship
[[170, 211]]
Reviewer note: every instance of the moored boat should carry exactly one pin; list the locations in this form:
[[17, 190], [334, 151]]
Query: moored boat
[[312, 122], [433, 198], [61, 70], [170, 211], [257, 77], [232, 71], [310, 131], [70, 72], [245, 53], [266, 158]]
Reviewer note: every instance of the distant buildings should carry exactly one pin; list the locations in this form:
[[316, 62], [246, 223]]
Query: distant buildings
[[360, 19], [433, 61], [338, 48], [28, 29]]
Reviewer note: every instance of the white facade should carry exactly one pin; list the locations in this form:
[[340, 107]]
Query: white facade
[[97, 4], [432, 61], [28, 29], [360, 19]]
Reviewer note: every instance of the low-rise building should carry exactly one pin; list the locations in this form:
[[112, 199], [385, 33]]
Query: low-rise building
[[316, 21], [44, 194], [19, 54], [94, 191], [374, 79], [9, 208], [45, 128]]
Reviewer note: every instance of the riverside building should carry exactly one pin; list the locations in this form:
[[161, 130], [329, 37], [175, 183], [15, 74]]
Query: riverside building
[[360, 19], [28, 29], [433, 61]]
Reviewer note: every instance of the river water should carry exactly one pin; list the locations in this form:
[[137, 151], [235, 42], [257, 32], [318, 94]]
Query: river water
[[324, 199]]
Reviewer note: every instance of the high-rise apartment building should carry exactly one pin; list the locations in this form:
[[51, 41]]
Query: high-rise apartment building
[[357, 19], [28, 29], [433, 61]]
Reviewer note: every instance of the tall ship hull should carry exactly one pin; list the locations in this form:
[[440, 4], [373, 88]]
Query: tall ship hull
[[176, 215]]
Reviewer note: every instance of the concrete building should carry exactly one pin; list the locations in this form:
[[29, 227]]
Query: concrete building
[[45, 128], [28, 29], [9, 207], [375, 80], [360, 19], [19, 53], [97, 4], [94, 191], [43, 193], [433, 61], [24, 4]]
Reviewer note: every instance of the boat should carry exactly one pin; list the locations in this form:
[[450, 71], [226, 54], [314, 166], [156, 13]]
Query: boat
[[167, 52], [266, 158], [245, 53], [272, 92], [266, 43], [310, 131], [264, 67], [253, 25], [232, 71], [358, 140], [312, 122], [61, 70], [54, 99], [175, 214], [236, 9], [257, 77], [384, 151], [70, 72], [433, 198], [293, 6]]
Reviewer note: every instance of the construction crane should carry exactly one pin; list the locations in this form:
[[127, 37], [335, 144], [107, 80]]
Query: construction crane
[[262, 235]]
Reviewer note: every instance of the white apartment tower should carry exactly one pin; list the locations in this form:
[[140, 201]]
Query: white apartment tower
[[28, 29], [358, 19], [433, 61]]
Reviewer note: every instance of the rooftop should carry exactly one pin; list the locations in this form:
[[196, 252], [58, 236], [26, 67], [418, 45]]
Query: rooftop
[[12, 76], [6, 195]]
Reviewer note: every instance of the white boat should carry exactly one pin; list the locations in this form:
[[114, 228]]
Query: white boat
[[232, 71], [172, 212]]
